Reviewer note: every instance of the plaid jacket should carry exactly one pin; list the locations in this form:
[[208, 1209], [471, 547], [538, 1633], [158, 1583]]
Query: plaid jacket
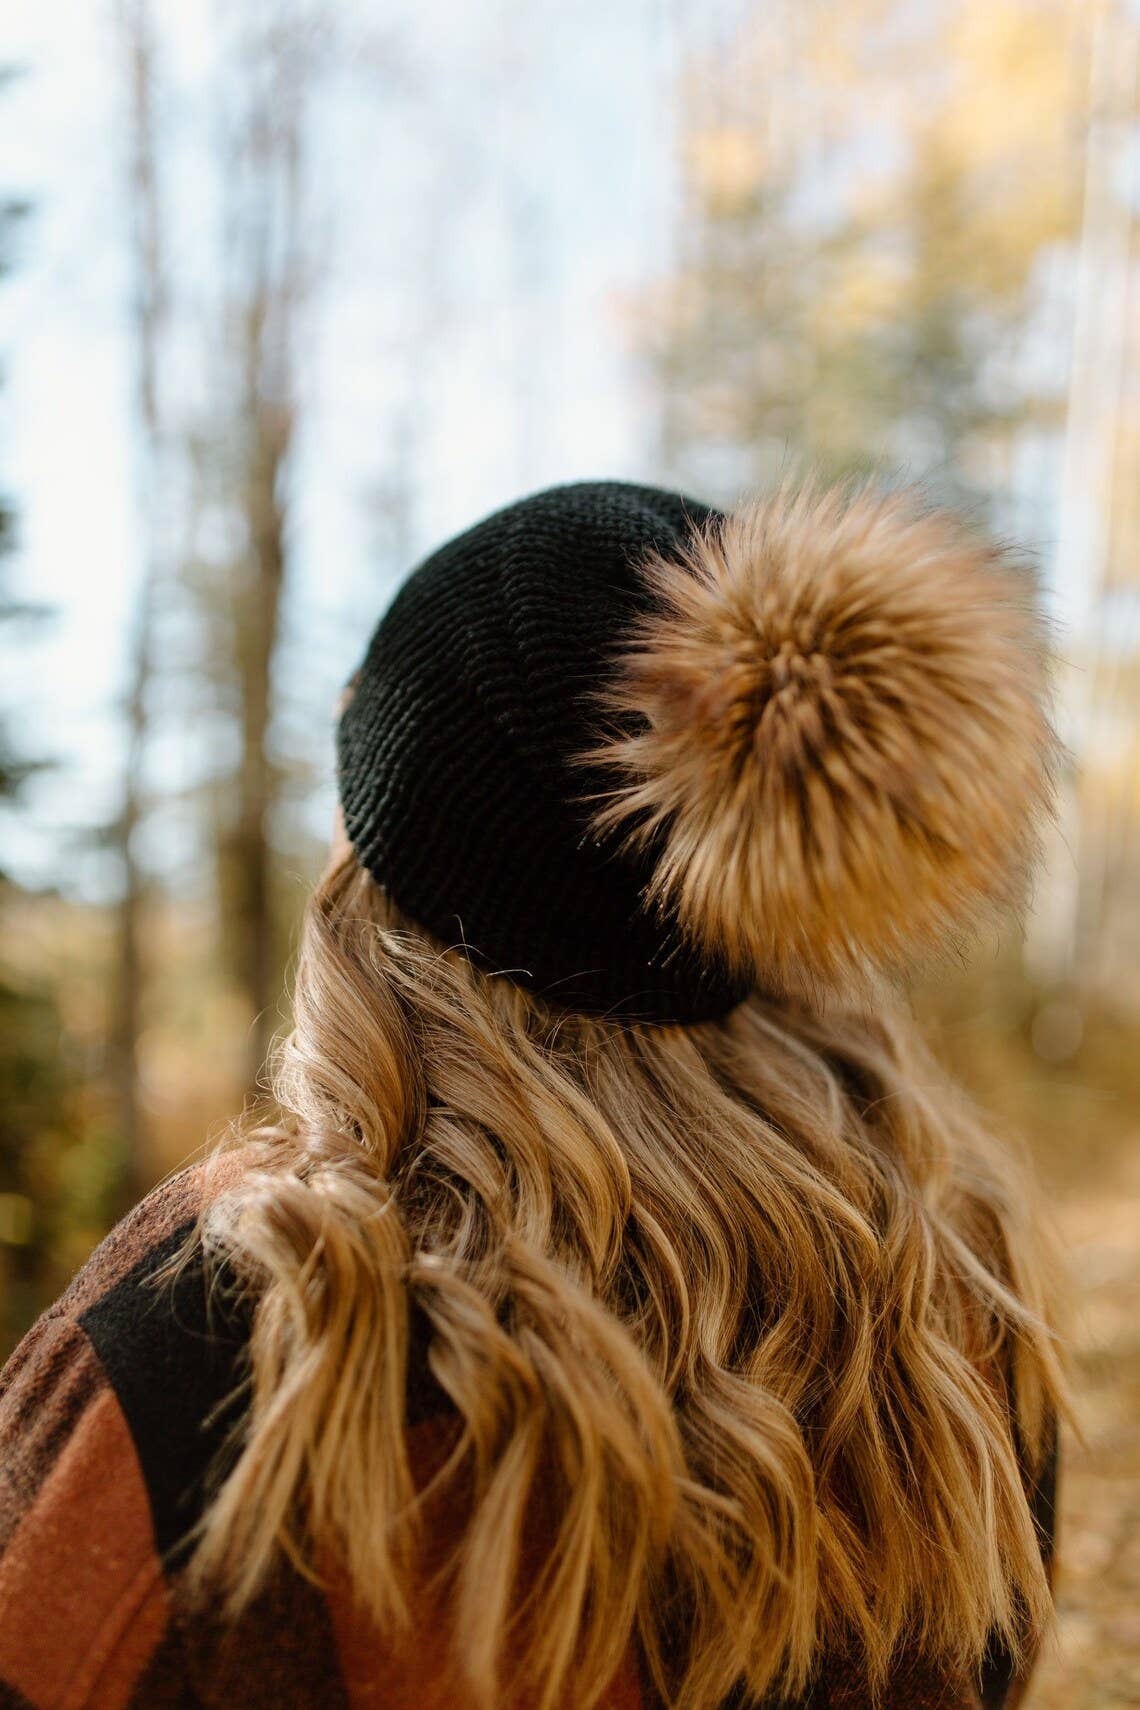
[[109, 1418]]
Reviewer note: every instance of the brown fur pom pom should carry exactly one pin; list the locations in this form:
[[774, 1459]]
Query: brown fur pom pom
[[840, 734]]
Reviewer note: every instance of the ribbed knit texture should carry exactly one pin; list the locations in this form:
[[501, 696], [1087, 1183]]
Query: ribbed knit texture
[[453, 754]]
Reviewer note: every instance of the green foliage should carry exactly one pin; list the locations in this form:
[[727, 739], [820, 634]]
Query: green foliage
[[38, 1137]]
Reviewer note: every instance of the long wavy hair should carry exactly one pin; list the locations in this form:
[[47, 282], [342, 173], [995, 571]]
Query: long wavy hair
[[757, 1309], [755, 1312]]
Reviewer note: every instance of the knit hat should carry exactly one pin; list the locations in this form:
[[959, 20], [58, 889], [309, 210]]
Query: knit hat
[[642, 757]]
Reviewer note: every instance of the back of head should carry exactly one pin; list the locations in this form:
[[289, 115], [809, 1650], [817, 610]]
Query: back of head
[[599, 1080]]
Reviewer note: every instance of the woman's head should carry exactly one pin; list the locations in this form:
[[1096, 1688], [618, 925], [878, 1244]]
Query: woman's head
[[646, 757], [743, 1298]]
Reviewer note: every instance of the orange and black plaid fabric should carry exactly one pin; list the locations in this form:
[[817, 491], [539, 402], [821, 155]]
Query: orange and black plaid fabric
[[112, 1411]]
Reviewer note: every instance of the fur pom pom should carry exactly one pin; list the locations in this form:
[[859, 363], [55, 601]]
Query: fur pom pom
[[833, 727]]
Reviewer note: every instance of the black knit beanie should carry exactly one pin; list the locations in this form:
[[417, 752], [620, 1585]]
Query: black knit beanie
[[455, 775], [819, 730]]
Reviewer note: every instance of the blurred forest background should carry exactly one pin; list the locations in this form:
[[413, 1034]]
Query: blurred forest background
[[293, 290]]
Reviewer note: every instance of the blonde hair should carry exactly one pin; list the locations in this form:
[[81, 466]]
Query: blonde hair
[[756, 1309]]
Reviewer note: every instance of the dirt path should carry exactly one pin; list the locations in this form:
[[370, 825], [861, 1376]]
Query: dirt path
[[1095, 1664]]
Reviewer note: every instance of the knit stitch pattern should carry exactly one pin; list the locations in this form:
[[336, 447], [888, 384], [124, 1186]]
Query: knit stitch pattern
[[454, 754]]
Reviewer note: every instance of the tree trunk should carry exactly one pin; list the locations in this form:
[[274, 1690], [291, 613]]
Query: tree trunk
[[148, 319], [268, 290]]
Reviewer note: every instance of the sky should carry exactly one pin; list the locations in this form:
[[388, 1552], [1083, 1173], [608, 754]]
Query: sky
[[496, 189]]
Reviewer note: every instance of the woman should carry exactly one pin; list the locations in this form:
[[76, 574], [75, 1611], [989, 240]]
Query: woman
[[617, 1308]]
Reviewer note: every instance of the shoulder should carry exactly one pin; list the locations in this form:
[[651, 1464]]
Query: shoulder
[[123, 1325], [114, 1411], [103, 1451], [162, 1337], [166, 1332], [170, 1336]]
